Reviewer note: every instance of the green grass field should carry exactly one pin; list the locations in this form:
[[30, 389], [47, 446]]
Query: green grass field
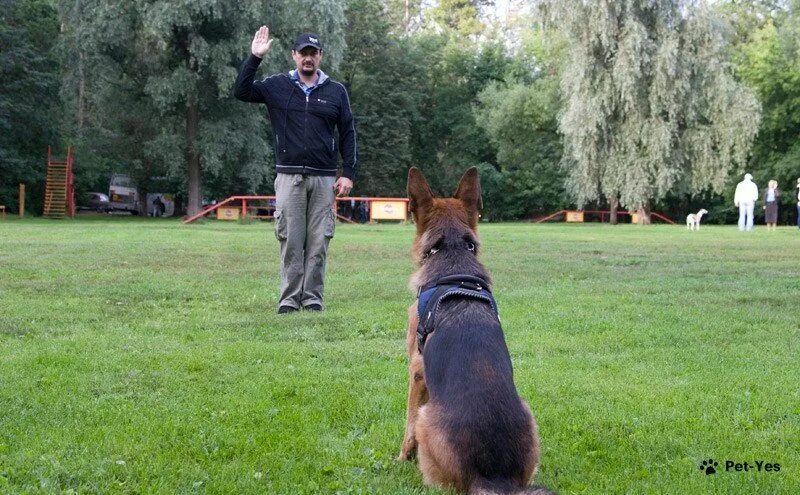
[[144, 356]]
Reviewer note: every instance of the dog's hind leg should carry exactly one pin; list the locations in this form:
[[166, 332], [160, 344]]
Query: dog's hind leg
[[531, 463], [417, 396], [437, 459]]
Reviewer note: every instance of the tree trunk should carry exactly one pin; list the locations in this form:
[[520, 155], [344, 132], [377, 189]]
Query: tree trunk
[[81, 74], [612, 218], [144, 182], [193, 156], [81, 93], [644, 215]]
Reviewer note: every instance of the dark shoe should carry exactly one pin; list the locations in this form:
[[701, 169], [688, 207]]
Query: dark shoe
[[313, 307], [286, 309]]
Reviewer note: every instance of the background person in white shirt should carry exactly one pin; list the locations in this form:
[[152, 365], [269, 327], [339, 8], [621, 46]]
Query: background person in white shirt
[[745, 198]]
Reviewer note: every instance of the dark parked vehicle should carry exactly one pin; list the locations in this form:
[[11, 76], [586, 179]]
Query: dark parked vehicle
[[96, 201]]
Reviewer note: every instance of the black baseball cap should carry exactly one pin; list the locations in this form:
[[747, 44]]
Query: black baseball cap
[[307, 39]]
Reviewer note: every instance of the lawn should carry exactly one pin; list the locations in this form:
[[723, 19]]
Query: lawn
[[145, 356]]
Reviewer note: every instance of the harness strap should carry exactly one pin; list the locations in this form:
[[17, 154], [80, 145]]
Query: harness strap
[[454, 286]]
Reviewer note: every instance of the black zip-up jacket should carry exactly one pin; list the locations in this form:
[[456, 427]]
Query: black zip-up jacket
[[303, 125]]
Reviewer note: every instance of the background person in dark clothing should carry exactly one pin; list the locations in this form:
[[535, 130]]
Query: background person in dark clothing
[[158, 207], [771, 195], [798, 202], [363, 211], [304, 107]]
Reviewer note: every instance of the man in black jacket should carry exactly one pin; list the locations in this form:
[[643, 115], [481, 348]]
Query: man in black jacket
[[304, 107]]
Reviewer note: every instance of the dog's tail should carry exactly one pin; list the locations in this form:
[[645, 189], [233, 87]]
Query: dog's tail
[[483, 486]]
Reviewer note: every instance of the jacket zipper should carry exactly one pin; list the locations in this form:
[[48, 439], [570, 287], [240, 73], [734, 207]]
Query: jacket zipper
[[305, 133]]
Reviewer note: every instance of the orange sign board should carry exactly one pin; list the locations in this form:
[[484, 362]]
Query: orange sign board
[[227, 213], [388, 210], [574, 216]]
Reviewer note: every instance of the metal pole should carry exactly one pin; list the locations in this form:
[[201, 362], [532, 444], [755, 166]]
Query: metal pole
[[21, 200]]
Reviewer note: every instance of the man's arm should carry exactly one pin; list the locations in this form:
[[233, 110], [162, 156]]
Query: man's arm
[[245, 89], [347, 138], [753, 192]]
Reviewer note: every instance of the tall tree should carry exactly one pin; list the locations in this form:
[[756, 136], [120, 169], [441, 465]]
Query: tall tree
[[403, 15], [28, 95], [650, 101], [448, 140], [462, 16], [196, 48], [382, 71], [174, 65], [766, 53], [520, 117], [108, 114]]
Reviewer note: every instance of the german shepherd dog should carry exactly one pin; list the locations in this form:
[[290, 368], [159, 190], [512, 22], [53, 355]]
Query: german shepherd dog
[[465, 421]]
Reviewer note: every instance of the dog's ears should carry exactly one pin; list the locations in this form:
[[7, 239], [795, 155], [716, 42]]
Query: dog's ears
[[469, 191], [419, 193]]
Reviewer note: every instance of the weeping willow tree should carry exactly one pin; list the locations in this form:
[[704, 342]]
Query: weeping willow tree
[[651, 104]]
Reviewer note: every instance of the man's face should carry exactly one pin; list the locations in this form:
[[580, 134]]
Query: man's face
[[307, 60]]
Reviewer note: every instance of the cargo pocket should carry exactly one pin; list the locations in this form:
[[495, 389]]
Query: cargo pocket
[[330, 223], [280, 225]]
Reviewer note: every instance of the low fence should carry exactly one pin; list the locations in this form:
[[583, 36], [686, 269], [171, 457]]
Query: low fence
[[578, 216], [242, 207]]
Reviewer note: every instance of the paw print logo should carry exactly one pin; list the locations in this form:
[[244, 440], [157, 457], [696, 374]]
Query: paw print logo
[[709, 466]]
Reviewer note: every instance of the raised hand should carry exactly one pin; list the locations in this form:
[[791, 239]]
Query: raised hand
[[261, 42]]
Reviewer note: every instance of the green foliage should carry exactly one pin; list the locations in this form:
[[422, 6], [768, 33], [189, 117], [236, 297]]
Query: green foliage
[[767, 58], [650, 108], [519, 115], [29, 101], [145, 72], [448, 140], [650, 101], [383, 75], [520, 119], [174, 66], [459, 15], [403, 15]]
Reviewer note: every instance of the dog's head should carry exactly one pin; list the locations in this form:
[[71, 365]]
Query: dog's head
[[444, 222]]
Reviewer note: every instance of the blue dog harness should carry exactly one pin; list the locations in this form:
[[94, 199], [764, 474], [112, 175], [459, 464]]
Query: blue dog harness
[[453, 286]]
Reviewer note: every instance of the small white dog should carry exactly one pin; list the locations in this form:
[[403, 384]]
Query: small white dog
[[693, 219]]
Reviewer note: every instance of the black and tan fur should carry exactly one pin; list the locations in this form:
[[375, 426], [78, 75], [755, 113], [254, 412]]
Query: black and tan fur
[[465, 420]]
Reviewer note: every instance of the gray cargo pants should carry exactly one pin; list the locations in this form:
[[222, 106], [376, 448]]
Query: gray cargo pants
[[304, 225]]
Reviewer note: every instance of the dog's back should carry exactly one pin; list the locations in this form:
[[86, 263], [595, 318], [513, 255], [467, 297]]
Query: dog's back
[[474, 400]]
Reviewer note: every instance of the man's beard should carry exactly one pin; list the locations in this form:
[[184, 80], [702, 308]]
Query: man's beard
[[308, 70]]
